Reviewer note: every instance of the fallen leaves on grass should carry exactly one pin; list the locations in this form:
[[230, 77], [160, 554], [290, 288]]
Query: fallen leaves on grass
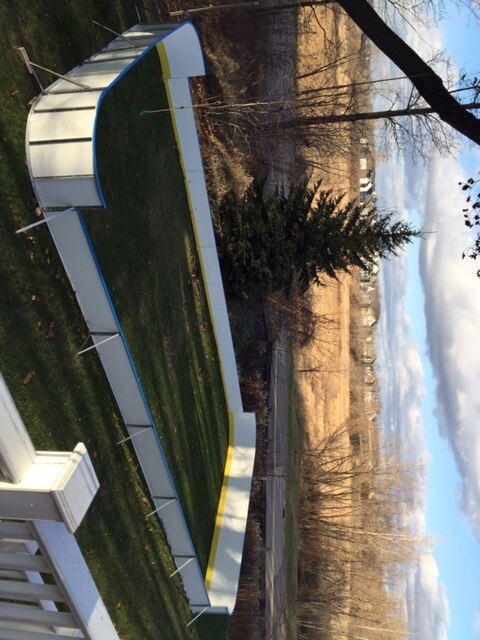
[[29, 376]]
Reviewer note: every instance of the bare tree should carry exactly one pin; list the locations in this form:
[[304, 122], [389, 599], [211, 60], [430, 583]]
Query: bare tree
[[426, 81], [354, 541]]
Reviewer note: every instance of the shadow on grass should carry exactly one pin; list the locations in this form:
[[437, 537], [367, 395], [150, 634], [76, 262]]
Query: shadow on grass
[[146, 249]]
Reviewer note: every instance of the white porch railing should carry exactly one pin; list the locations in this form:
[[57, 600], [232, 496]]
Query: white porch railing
[[28, 606], [43, 498]]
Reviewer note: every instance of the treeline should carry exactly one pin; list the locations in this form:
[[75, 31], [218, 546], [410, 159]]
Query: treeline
[[354, 544]]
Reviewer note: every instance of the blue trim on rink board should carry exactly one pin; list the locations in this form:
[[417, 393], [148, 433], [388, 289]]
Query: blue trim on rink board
[[137, 380]]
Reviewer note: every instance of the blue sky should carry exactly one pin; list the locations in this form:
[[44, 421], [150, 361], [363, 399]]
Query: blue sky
[[430, 363], [446, 587], [456, 551]]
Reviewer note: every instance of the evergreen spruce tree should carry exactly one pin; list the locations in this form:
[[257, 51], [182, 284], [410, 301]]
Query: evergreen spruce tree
[[308, 232]]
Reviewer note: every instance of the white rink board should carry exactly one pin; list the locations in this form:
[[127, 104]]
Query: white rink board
[[59, 125], [63, 174], [72, 244], [223, 581], [68, 101], [121, 375], [224, 564], [184, 53], [55, 193], [62, 160]]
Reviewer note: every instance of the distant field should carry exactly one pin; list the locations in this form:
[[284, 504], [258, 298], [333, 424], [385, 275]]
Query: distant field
[[65, 399]]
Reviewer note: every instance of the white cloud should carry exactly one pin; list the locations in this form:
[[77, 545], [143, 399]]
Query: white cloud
[[476, 625], [403, 390], [428, 605], [402, 372], [452, 309]]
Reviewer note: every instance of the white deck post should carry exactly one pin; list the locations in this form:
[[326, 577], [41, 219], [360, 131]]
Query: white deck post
[[58, 486], [77, 585], [16, 449]]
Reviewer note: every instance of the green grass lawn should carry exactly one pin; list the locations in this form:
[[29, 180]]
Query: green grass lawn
[[294, 453], [65, 399], [146, 249]]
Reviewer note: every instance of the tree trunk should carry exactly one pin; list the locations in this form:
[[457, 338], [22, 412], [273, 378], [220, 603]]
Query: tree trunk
[[368, 115]]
